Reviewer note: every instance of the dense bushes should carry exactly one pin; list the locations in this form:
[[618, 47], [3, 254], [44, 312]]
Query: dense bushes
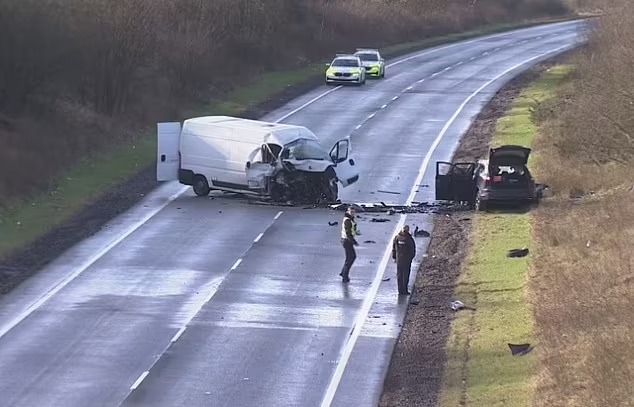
[[584, 267], [74, 66]]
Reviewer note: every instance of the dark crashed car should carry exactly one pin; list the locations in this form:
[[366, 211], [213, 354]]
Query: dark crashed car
[[502, 178]]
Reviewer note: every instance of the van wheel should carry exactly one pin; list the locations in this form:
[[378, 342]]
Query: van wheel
[[201, 186]]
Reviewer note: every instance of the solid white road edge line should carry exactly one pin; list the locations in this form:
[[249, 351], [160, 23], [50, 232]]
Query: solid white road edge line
[[7, 327], [64, 282], [369, 299], [453, 118], [359, 321]]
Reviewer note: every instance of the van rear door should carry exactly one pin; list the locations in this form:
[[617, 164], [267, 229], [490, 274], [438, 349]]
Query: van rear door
[[341, 156], [167, 160]]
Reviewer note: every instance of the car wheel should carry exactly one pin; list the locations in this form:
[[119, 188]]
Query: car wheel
[[201, 186]]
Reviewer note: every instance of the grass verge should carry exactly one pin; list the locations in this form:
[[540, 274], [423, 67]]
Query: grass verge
[[73, 191], [480, 369]]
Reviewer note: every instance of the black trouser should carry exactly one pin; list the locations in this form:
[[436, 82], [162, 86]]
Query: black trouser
[[351, 256], [403, 268]]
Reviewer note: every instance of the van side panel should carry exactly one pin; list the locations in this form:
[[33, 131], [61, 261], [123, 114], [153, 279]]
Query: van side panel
[[218, 152]]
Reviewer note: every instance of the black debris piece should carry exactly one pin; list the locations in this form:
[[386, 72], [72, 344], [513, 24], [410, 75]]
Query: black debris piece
[[380, 220], [333, 223], [369, 241], [518, 252], [388, 192], [386, 279], [421, 233], [521, 349]]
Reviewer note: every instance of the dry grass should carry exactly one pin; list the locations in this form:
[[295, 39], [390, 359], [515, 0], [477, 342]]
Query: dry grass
[[582, 279], [79, 76]]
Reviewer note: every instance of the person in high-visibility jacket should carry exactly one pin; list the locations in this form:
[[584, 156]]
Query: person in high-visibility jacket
[[348, 241]]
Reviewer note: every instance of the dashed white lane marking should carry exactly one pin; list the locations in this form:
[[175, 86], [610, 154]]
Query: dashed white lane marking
[[369, 299], [139, 380], [178, 334], [409, 88], [213, 289], [257, 239], [485, 53], [435, 74], [236, 264], [421, 80], [472, 58], [384, 106], [395, 97], [459, 63], [358, 126], [447, 69], [372, 115], [497, 49]]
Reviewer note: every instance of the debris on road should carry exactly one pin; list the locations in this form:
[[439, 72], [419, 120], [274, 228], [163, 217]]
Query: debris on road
[[518, 252], [380, 220], [335, 223], [386, 279], [457, 305], [521, 349], [388, 192], [369, 241], [421, 233]]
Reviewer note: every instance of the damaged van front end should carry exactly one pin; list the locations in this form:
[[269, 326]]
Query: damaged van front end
[[302, 172]]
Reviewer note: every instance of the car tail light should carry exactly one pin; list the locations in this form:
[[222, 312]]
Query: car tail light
[[487, 181]]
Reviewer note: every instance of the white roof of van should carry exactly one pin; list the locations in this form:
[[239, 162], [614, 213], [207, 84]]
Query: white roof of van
[[265, 132]]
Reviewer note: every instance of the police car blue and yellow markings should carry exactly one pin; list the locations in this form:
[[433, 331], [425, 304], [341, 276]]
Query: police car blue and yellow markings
[[346, 68]]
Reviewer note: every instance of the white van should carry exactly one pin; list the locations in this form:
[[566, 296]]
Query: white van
[[281, 161]]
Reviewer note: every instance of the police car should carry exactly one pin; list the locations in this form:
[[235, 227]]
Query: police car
[[372, 61], [345, 68]]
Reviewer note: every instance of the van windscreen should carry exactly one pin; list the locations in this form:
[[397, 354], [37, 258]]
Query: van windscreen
[[304, 149]]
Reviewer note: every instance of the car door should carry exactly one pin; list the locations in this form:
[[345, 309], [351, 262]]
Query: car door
[[345, 166], [455, 182], [167, 160]]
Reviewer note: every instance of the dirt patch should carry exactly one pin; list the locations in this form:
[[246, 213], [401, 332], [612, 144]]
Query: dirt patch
[[23, 263], [416, 370]]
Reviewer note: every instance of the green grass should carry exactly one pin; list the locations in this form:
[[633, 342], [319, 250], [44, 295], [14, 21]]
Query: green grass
[[87, 181], [495, 285]]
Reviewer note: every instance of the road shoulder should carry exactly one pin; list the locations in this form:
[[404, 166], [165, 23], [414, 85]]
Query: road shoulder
[[420, 360]]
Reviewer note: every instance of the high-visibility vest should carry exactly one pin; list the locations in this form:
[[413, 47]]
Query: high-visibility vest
[[343, 228]]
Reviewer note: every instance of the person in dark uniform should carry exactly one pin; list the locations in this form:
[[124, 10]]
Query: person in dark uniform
[[348, 241], [403, 252]]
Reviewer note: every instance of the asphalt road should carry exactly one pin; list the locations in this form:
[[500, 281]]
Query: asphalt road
[[217, 302]]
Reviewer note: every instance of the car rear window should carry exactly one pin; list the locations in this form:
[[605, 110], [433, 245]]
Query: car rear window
[[368, 57]]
